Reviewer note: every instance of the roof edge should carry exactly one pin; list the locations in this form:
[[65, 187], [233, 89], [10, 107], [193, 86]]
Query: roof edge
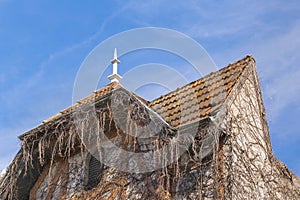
[[249, 56]]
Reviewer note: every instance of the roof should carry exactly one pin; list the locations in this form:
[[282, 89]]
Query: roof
[[190, 103], [201, 98]]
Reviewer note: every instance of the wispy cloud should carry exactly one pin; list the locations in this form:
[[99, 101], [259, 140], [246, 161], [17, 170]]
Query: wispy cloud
[[278, 60], [61, 53], [285, 91], [277, 57]]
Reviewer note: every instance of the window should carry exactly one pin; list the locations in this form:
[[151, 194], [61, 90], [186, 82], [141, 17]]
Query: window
[[94, 171]]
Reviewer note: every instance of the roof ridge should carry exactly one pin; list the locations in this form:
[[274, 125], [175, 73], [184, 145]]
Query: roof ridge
[[247, 57]]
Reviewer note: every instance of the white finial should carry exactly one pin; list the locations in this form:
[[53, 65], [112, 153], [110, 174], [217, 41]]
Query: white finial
[[116, 55], [115, 77]]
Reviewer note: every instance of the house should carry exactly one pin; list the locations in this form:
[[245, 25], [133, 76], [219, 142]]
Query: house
[[206, 140]]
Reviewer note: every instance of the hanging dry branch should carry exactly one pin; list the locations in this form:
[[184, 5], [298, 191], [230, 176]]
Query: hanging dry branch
[[229, 157]]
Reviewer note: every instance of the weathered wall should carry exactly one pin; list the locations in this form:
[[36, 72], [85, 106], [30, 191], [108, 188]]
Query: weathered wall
[[252, 170], [197, 183], [42, 190], [189, 178], [61, 180], [77, 173]]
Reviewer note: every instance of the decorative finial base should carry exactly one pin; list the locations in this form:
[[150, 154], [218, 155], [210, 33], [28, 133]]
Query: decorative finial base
[[114, 78]]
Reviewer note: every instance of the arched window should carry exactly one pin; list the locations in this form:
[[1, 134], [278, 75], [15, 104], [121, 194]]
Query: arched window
[[94, 171]]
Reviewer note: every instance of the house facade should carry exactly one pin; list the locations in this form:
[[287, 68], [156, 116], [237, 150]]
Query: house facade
[[206, 140]]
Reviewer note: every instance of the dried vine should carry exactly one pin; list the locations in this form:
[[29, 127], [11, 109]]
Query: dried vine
[[229, 157]]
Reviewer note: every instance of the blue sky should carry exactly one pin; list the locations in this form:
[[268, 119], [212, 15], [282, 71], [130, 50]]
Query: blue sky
[[43, 43]]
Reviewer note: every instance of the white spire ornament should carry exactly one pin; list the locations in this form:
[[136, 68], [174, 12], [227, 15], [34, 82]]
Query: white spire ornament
[[115, 77]]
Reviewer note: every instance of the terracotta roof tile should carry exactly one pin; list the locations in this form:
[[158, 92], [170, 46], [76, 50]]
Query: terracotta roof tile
[[200, 98]]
